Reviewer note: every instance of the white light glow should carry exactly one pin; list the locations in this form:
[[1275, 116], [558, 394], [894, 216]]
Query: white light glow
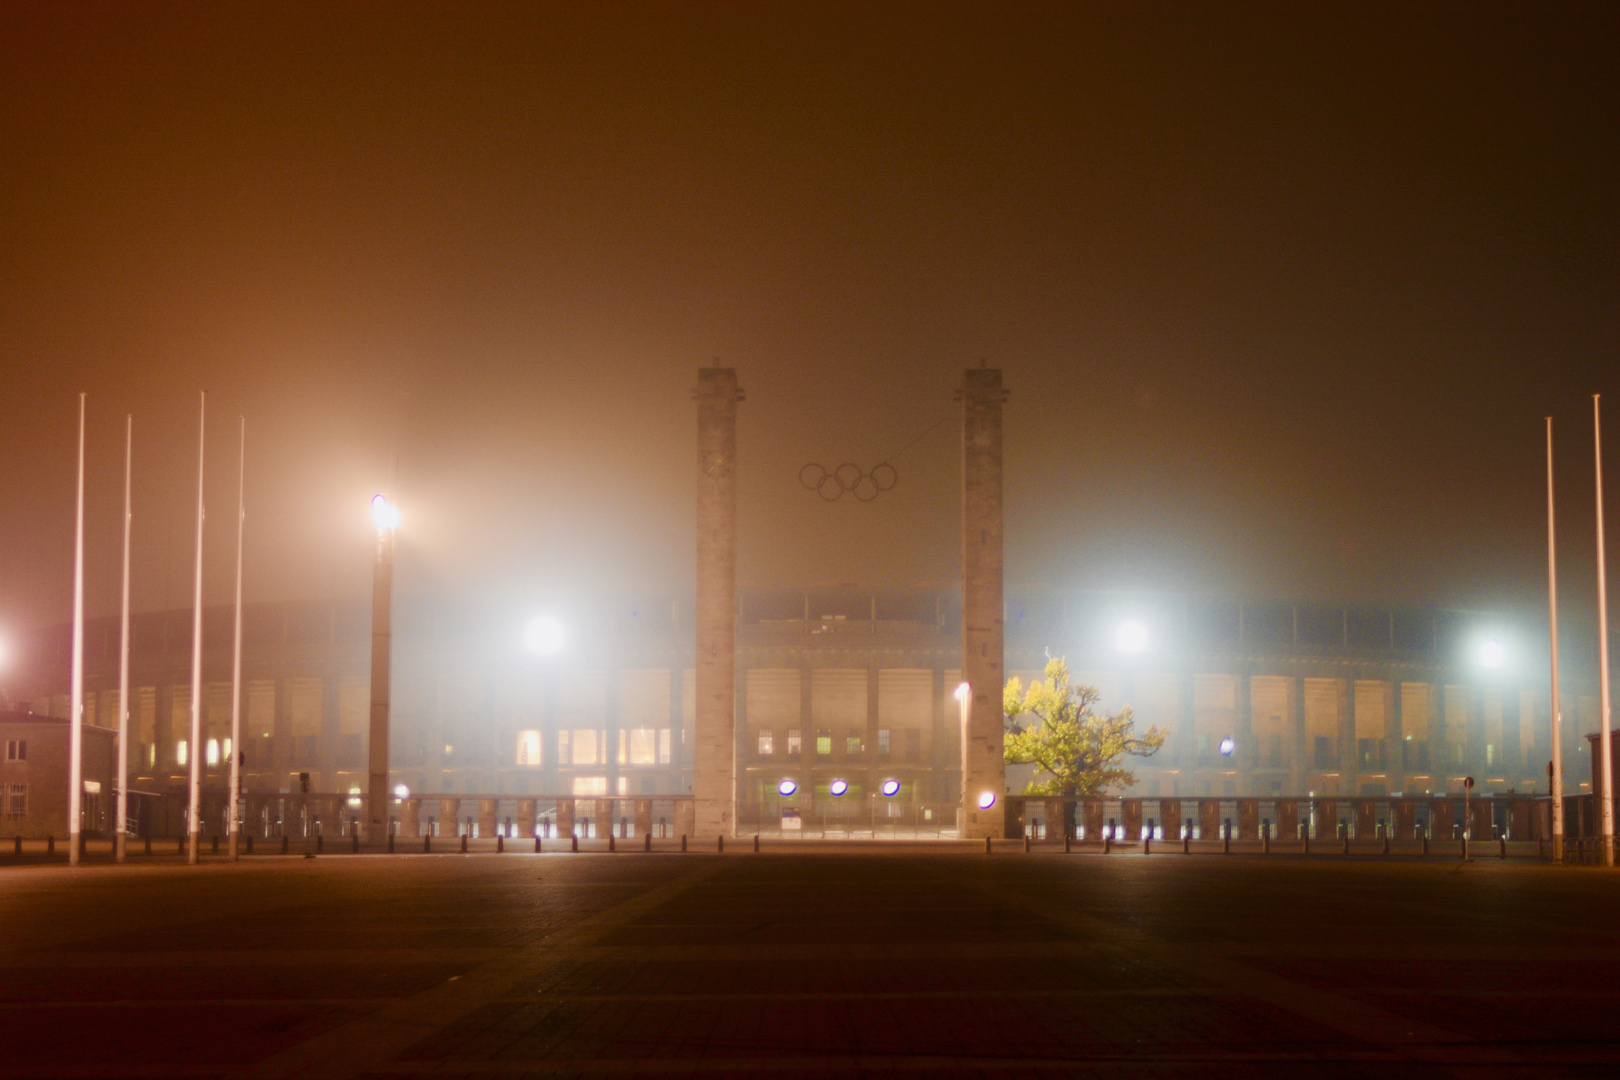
[[987, 800], [838, 787], [786, 788], [1491, 654], [962, 692], [402, 792], [891, 788], [1131, 637], [384, 513], [545, 636]]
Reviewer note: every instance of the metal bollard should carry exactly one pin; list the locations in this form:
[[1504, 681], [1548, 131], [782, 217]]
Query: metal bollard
[[722, 844], [683, 843], [215, 849], [1186, 842], [1386, 843], [320, 843], [355, 845], [500, 844], [17, 845], [149, 845], [390, 844], [1065, 845], [1147, 845], [1226, 840], [1425, 845], [1265, 842], [756, 843], [427, 844], [464, 843], [987, 845], [50, 844], [249, 843], [1502, 853], [537, 843], [182, 845], [1026, 843], [646, 841], [611, 845], [1346, 843], [285, 841], [1307, 839], [1108, 843], [573, 842]]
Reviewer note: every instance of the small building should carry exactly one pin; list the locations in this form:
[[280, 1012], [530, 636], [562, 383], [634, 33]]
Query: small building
[[34, 776]]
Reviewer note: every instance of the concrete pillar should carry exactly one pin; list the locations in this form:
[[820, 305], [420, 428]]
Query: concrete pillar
[[1519, 820], [643, 817], [1170, 818], [1480, 811], [984, 770], [565, 817], [684, 818], [1440, 820], [1349, 760], [1288, 819], [604, 818], [525, 817], [1092, 810], [448, 821], [1209, 819], [1248, 822], [379, 796], [1366, 819], [486, 817], [1054, 819], [1131, 811], [1405, 814], [410, 817], [714, 788], [1327, 819]]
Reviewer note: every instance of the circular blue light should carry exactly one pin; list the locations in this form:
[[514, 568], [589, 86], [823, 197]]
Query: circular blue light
[[1227, 746], [891, 788], [838, 787], [987, 800], [786, 788]]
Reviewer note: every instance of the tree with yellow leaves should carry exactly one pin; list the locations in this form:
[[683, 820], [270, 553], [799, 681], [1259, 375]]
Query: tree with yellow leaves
[[1055, 726]]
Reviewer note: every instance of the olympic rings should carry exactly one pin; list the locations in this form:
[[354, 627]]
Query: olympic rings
[[849, 478]]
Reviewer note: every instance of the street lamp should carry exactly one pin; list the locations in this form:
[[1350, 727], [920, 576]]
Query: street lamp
[[385, 515], [1492, 654], [545, 635], [1131, 637]]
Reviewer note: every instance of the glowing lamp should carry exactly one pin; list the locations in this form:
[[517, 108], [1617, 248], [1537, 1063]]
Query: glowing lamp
[[384, 513], [544, 636], [838, 787], [402, 792], [1491, 654], [962, 692], [786, 788], [1131, 637], [891, 788], [987, 800], [1227, 746]]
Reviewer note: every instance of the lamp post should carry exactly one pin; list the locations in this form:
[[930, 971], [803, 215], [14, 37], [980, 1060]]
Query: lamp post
[[234, 815], [76, 708], [194, 751], [121, 841], [964, 698], [1555, 766], [386, 517]]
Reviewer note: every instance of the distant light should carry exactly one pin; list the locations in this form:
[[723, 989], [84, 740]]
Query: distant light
[[402, 792], [1131, 637], [5, 654], [987, 800], [384, 513], [786, 788], [1491, 654], [545, 636], [1227, 746], [891, 788], [962, 692], [838, 787]]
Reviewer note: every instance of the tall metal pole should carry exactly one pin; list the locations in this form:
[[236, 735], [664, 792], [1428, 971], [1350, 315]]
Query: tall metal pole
[[1606, 769], [76, 707], [121, 833], [382, 603], [193, 823], [233, 815], [1556, 780]]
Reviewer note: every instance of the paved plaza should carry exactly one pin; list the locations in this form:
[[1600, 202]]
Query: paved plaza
[[887, 962]]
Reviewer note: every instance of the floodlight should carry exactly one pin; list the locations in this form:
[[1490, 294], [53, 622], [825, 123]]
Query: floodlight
[[545, 635], [987, 799], [402, 792], [962, 692], [891, 788], [1491, 654], [838, 787], [384, 513], [1131, 637], [786, 788], [1227, 746]]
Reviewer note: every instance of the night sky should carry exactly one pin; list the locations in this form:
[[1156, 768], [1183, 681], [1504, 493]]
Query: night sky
[[1282, 293]]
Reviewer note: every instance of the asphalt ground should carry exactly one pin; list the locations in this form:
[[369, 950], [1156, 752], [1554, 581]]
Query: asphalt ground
[[883, 962]]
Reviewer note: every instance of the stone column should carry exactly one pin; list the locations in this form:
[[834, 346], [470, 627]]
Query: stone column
[[1092, 813], [1440, 821], [448, 809], [1288, 819], [1209, 819], [984, 770], [486, 818], [1366, 819], [565, 817], [1327, 819], [1405, 814], [643, 817], [525, 817], [1131, 811], [410, 817], [1248, 822], [1170, 818], [1349, 759], [714, 787]]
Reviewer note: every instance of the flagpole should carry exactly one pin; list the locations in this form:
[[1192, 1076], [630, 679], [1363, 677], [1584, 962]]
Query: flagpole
[[1606, 768], [193, 824], [76, 706], [236, 657], [120, 832]]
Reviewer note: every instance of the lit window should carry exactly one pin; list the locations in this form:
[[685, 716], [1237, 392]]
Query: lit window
[[663, 746], [624, 785], [765, 742], [528, 748], [824, 742], [795, 743], [211, 752], [563, 755], [181, 757], [643, 746], [852, 741], [590, 785], [585, 747], [883, 741], [17, 800]]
